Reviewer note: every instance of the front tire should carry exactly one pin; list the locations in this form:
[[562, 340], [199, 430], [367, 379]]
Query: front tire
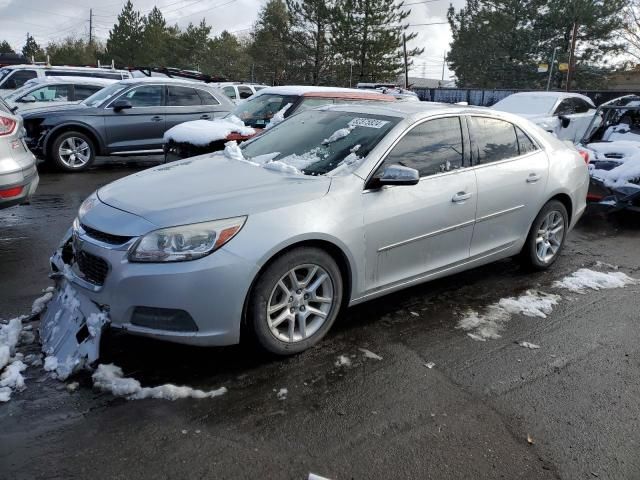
[[72, 152], [546, 237], [295, 301]]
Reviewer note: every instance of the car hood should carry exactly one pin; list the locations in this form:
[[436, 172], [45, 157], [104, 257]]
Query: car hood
[[206, 188], [59, 110]]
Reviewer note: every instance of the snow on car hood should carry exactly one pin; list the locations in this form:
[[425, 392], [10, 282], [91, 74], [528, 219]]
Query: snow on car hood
[[208, 188]]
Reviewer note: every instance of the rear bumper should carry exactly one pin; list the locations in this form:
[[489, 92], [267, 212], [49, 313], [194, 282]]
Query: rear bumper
[[27, 180]]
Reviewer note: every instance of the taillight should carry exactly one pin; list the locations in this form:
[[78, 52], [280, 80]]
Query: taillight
[[11, 192], [585, 155], [7, 125]]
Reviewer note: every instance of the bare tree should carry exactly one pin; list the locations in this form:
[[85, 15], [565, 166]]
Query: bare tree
[[631, 29]]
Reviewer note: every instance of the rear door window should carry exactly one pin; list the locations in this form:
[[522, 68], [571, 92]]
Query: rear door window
[[432, 147], [244, 92], [494, 140], [525, 144], [183, 97], [230, 92]]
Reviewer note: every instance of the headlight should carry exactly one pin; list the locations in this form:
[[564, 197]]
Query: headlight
[[186, 242]]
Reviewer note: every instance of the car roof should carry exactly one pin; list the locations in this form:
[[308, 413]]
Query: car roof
[[72, 79], [184, 81], [556, 95], [63, 67], [308, 90], [397, 109]]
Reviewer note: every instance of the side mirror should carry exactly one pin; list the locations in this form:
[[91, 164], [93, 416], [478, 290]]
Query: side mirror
[[564, 121], [121, 105], [28, 99], [396, 175]]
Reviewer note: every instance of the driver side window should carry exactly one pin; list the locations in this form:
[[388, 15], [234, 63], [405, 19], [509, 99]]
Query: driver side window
[[145, 96], [565, 108], [432, 147]]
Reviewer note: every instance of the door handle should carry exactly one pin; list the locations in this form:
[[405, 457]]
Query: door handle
[[205, 117], [533, 178], [461, 197], [156, 118]]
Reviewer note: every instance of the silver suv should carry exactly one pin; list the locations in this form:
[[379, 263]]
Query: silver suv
[[18, 174]]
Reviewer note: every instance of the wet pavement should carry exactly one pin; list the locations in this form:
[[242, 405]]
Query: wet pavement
[[576, 398]]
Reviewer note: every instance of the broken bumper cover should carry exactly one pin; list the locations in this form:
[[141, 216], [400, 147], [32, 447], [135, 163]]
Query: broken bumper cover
[[200, 301], [71, 328]]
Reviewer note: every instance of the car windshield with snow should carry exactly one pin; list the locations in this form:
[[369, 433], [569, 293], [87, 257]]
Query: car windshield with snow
[[328, 209]]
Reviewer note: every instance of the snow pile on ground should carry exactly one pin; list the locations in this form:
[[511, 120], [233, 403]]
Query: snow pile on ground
[[627, 153], [343, 361], [585, 278], [11, 365], [278, 117], [529, 345], [282, 394], [489, 324], [109, 378], [204, 132]]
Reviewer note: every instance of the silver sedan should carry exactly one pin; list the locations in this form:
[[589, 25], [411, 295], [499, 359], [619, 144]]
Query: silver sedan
[[328, 209]]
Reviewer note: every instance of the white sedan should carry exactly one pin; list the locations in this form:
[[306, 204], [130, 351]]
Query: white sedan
[[567, 115]]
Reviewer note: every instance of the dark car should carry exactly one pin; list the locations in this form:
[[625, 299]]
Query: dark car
[[126, 118]]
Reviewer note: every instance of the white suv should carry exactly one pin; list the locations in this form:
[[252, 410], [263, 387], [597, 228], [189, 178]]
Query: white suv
[[15, 76], [239, 91]]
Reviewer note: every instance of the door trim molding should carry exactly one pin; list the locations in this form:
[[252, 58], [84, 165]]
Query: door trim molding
[[499, 213], [427, 235]]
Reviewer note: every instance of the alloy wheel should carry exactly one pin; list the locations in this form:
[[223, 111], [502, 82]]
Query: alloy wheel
[[550, 236], [74, 152], [300, 303]]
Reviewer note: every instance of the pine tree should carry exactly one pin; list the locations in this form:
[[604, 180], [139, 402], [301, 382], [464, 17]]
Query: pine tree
[[193, 45], [368, 34], [270, 45], [125, 39], [156, 40], [31, 49], [499, 43], [5, 47], [228, 57], [310, 25]]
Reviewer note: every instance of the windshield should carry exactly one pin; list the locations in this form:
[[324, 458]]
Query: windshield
[[257, 111], [102, 95], [318, 142], [526, 104]]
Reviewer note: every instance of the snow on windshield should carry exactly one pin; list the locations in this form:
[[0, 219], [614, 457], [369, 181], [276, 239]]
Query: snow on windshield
[[315, 142], [204, 132], [526, 104], [278, 117]]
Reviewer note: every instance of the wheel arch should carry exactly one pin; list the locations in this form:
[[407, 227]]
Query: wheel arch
[[336, 252], [565, 199], [75, 127]]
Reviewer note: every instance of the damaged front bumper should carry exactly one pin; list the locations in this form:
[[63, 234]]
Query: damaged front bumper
[[71, 326]]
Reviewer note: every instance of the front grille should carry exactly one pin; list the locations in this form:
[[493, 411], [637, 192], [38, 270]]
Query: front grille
[[105, 237], [93, 268]]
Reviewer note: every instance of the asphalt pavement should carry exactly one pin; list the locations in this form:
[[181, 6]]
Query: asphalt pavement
[[570, 409]]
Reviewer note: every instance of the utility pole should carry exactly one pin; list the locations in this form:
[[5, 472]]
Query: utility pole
[[90, 25], [572, 56], [350, 73], [444, 61], [406, 63], [553, 61]]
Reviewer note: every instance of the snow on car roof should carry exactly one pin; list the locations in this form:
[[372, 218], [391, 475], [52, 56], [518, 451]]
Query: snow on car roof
[[62, 67], [72, 79], [306, 89]]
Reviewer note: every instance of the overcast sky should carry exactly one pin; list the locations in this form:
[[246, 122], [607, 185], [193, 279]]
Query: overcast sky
[[50, 21]]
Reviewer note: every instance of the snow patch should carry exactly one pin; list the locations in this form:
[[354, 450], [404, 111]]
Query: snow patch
[[282, 394], [338, 134], [532, 346], [370, 354], [41, 302], [109, 378], [50, 364], [278, 117], [343, 361], [204, 132], [583, 279], [489, 324]]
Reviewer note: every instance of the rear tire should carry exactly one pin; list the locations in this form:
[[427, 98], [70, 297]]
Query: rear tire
[[546, 236], [72, 151], [288, 316]]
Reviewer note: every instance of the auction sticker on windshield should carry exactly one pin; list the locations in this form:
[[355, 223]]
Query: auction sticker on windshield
[[367, 122]]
